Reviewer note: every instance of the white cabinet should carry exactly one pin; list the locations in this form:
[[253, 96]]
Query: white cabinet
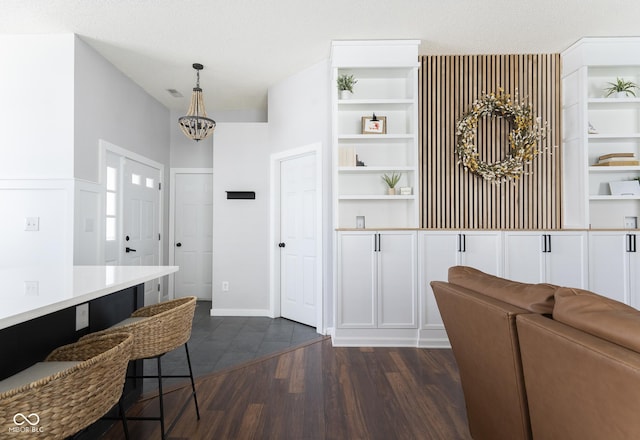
[[387, 86], [596, 125], [377, 277], [558, 257], [614, 265], [439, 250]]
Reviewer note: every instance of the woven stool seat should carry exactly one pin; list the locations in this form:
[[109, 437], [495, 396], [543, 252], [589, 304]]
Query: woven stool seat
[[85, 381], [158, 329]]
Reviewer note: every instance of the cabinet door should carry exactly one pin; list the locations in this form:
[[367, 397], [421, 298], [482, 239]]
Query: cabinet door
[[438, 253], [566, 259], [356, 302], [397, 278], [523, 257], [483, 251], [608, 265]]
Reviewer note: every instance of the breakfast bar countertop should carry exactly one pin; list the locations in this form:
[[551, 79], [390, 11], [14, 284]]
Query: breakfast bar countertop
[[30, 292]]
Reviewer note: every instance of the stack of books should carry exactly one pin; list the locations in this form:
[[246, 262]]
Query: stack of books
[[347, 157], [618, 160]]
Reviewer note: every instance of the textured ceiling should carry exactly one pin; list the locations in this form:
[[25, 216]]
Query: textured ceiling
[[248, 45]]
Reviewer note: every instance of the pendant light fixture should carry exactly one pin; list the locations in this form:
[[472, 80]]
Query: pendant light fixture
[[195, 125]]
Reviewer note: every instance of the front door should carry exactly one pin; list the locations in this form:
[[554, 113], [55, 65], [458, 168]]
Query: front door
[[193, 235], [141, 200], [298, 239]]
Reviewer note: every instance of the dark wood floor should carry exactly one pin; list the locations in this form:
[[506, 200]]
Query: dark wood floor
[[319, 392]]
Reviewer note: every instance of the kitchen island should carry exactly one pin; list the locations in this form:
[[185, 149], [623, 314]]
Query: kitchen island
[[42, 308]]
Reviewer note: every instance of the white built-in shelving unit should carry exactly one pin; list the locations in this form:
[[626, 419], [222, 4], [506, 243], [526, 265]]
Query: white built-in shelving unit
[[588, 68], [387, 82]]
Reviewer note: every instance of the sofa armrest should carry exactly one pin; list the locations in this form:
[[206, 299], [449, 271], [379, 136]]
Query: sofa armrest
[[482, 333]]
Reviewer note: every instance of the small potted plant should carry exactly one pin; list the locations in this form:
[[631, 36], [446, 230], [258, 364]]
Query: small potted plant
[[345, 85], [391, 182], [621, 88]]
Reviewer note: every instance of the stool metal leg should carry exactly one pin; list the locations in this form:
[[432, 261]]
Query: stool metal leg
[[124, 419], [193, 385], [160, 395]]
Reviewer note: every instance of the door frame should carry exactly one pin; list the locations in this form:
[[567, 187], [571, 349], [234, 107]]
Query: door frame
[[314, 149], [103, 148], [172, 221]]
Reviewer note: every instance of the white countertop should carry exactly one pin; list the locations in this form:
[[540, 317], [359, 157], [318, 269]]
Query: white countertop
[[31, 292]]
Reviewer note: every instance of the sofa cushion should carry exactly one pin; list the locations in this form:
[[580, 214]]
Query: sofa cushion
[[599, 316], [537, 298]]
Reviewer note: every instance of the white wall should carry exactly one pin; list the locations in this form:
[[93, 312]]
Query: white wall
[[299, 115], [59, 98], [36, 106], [51, 202], [240, 227], [109, 106]]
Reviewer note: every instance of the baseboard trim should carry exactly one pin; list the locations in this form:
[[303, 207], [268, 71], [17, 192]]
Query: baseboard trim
[[240, 312]]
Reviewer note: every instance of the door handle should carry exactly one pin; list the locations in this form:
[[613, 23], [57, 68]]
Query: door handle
[[178, 244], [281, 245], [128, 249]]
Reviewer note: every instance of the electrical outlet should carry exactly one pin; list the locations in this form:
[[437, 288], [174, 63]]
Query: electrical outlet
[[82, 316], [32, 224], [631, 222], [225, 286], [31, 288]]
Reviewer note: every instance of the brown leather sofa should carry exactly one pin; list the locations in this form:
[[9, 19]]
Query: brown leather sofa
[[582, 369], [479, 313], [541, 361]]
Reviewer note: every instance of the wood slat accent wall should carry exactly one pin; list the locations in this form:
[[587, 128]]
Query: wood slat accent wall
[[454, 198]]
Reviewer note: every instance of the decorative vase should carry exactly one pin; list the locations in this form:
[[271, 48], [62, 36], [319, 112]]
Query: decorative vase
[[345, 94], [391, 191], [621, 95]]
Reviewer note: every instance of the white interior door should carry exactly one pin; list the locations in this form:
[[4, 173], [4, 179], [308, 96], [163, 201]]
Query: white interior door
[[298, 239], [193, 235], [141, 229]]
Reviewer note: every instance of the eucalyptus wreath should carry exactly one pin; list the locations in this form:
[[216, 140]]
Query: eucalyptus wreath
[[525, 135]]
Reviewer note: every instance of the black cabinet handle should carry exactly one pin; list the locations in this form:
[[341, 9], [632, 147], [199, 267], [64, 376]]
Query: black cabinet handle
[[546, 243], [549, 243], [631, 242], [178, 244], [462, 243], [379, 243], [281, 245], [128, 249]]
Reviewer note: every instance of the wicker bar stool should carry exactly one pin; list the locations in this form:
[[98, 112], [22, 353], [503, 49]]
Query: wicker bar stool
[[75, 386], [158, 329]]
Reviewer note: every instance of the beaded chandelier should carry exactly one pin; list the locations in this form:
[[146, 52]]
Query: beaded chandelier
[[195, 125]]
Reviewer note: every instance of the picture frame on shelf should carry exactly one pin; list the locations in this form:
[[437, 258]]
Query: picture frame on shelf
[[374, 124]]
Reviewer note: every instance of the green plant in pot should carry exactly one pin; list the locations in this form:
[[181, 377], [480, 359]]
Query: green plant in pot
[[345, 85], [391, 182], [621, 88]]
